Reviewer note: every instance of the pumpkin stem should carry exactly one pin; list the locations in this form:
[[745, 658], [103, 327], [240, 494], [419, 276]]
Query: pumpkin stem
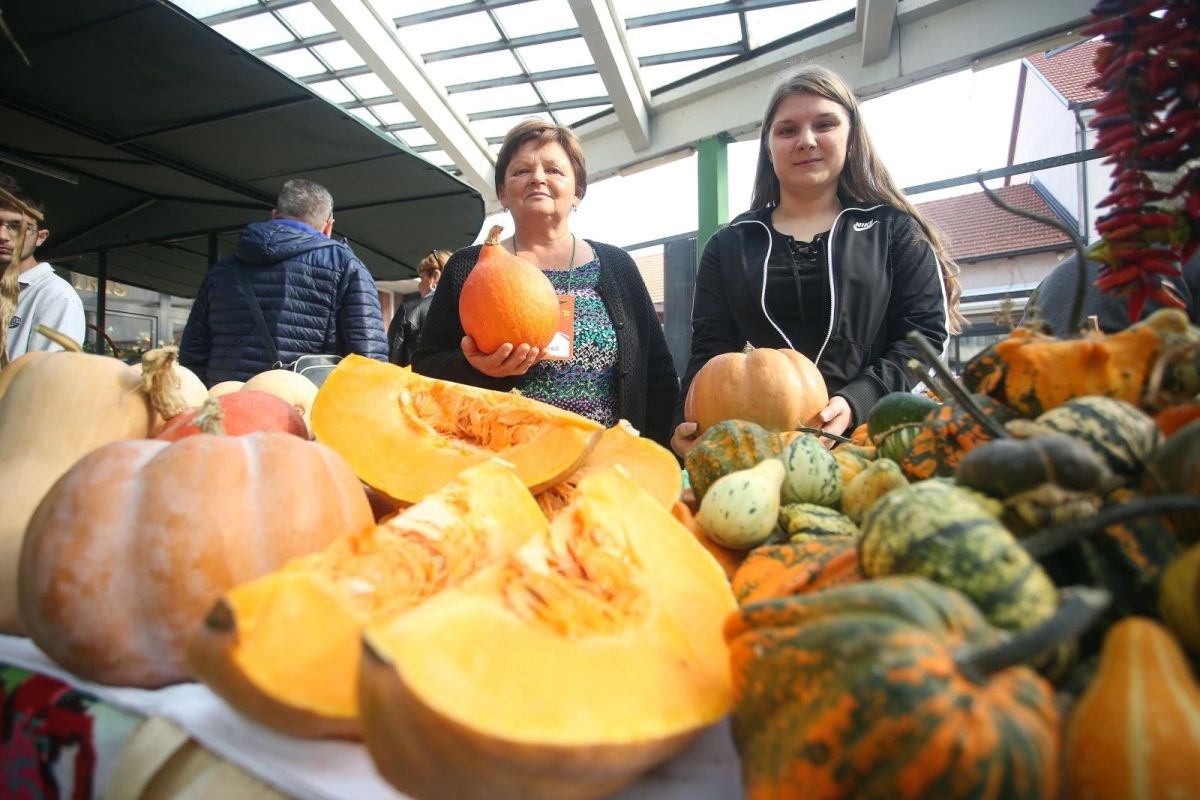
[[1078, 609], [747, 349], [954, 386], [493, 236], [208, 418], [1153, 396], [925, 376], [59, 338], [160, 382], [1081, 281], [1050, 540]]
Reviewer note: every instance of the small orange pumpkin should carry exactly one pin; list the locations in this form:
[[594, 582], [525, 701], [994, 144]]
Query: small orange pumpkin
[[779, 389], [507, 299]]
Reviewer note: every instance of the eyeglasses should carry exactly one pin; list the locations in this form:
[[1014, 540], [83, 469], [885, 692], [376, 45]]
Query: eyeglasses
[[14, 227]]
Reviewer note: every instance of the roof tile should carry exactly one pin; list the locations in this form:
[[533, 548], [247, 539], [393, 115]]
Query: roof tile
[[1070, 71], [973, 227]]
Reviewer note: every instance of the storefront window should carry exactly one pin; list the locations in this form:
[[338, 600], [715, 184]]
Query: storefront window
[[133, 334]]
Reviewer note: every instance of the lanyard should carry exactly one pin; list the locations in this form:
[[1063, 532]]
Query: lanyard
[[570, 270]]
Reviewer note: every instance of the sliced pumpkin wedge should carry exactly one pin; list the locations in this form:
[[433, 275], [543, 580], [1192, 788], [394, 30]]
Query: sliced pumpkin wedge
[[405, 434], [646, 462], [284, 649], [564, 671]]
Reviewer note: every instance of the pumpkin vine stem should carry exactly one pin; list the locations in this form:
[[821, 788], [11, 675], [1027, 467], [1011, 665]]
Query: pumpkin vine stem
[[954, 386], [1050, 540], [59, 338], [826, 434], [1078, 609], [925, 376], [1080, 253]]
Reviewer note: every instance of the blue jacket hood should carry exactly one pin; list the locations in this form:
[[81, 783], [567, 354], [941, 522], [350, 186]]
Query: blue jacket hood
[[272, 241]]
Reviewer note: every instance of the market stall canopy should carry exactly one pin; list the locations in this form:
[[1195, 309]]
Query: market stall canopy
[[147, 133]]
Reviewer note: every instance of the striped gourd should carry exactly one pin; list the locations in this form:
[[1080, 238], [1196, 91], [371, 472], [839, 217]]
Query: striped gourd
[[860, 692], [938, 531], [1135, 732], [810, 519], [880, 477], [813, 475], [1122, 434], [727, 447], [947, 434], [803, 565], [895, 420]]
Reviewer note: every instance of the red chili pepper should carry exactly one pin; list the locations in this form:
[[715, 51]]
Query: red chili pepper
[[1116, 278], [1167, 297]]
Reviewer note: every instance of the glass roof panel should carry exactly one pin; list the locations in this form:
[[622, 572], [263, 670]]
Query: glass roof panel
[[333, 91], [768, 24], [687, 35], [438, 157], [206, 8], [569, 116], [418, 137], [297, 63], [306, 20], [446, 34], [471, 68], [555, 55], [367, 86], [496, 98], [365, 115], [402, 8], [393, 113], [261, 30], [661, 74], [537, 16], [571, 88], [497, 127], [638, 8], [339, 55]]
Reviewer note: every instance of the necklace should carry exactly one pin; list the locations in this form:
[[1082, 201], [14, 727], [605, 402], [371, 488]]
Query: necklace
[[571, 266]]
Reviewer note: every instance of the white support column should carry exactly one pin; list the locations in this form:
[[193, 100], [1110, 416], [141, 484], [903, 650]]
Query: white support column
[[373, 36], [875, 20], [604, 33]]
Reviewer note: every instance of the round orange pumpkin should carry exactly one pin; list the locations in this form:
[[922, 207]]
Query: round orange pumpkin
[[507, 299], [132, 546], [241, 412], [780, 390]]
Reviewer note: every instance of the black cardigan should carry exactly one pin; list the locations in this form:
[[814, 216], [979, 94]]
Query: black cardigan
[[647, 385]]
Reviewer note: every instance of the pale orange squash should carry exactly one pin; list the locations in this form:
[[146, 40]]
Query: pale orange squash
[[132, 546], [284, 649], [290, 386], [649, 464], [565, 671], [55, 408], [406, 435], [781, 390], [506, 299], [1135, 732]]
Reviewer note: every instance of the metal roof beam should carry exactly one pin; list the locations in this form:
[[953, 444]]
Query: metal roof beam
[[934, 37], [605, 37], [374, 39], [875, 19]]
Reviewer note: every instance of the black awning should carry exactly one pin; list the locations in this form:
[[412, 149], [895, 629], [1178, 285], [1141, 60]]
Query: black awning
[[146, 132]]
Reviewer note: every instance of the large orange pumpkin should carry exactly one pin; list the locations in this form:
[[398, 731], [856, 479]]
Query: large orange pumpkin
[[507, 299], [132, 546], [779, 389], [55, 408]]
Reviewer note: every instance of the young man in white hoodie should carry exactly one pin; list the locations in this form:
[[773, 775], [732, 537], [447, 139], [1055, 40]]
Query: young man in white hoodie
[[44, 298]]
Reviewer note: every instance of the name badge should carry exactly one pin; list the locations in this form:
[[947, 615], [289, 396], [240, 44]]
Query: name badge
[[562, 346]]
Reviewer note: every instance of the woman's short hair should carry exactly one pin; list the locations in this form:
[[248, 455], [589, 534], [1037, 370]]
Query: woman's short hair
[[538, 130], [436, 260]]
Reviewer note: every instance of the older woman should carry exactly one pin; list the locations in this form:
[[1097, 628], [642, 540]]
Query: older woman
[[620, 367]]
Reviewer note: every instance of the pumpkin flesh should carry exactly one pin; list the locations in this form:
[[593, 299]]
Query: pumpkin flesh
[[284, 649], [406, 435], [612, 659]]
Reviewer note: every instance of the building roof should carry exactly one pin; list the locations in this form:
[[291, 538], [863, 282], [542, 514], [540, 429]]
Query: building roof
[[975, 228], [1069, 71], [651, 267]]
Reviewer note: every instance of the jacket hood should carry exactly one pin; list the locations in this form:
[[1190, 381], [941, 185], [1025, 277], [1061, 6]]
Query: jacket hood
[[272, 241]]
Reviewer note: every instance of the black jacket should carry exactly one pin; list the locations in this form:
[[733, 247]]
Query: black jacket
[[647, 385], [884, 281], [404, 332]]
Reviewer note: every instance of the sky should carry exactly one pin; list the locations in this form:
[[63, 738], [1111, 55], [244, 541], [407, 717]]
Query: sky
[[943, 128]]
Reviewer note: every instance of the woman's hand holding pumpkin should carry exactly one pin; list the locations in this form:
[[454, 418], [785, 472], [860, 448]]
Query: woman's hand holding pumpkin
[[835, 418], [505, 362], [684, 437]]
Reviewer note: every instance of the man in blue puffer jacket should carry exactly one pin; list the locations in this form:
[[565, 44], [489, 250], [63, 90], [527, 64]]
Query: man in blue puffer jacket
[[316, 296]]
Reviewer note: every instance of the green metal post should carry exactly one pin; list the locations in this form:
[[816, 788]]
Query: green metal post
[[712, 182]]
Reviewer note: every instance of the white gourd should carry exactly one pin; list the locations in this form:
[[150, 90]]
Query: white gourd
[[741, 509]]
